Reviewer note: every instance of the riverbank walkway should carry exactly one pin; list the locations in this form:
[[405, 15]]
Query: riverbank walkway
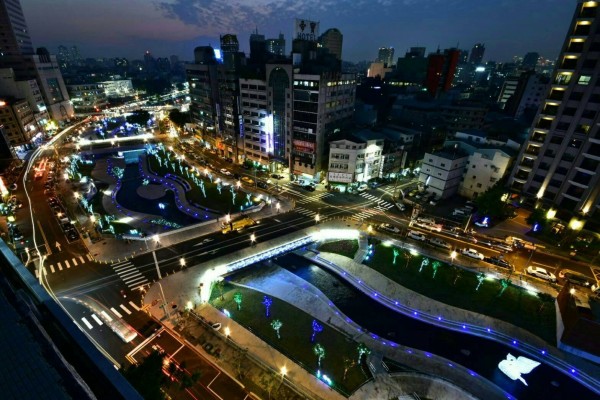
[[181, 288]]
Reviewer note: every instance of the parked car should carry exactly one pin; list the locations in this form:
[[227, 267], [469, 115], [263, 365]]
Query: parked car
[[575, 278], [216, 326], [362, 187], [310, 187], [400, 206], [247, 180], [416, 235], [276, 176], [262, 184], [469, 252], [225, 172], [541, 273], [300, 182], [500, 262], [440, 243], [389, 228]]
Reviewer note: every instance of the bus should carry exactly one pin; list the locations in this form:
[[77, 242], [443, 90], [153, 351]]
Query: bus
[[237, 226]]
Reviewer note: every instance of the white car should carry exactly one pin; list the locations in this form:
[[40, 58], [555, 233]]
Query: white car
[[472, 253], [416, 235], [541, 273], [400, 206], [440, 243], [389, 228], [225, 172], [362, 187]]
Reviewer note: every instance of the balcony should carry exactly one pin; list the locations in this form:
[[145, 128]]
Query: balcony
[[538, 138], [533, 151]]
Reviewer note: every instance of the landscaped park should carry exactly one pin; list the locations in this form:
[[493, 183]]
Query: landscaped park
[[321, 350], [151, 189], [459, 287]]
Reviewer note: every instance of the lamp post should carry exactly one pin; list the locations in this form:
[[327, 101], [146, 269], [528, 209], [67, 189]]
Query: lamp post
[[182, 262], [227, 332], [317, 218], [278, 207], [252, 239], [452, 257]]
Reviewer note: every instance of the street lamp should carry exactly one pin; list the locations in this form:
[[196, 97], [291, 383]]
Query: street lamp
[[277, 207], [76, 194], [317, 218], [370, 229], [283, 372], [182, 262], [227, 332], [238, 184], [227, 218], [452, 257], [252, 238]]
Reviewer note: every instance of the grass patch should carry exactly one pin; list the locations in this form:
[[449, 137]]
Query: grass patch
[[347, 248], [219, 202], [457, 287], [295, 336]]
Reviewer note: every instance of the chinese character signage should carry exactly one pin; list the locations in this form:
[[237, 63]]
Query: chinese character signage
[[306, 30]]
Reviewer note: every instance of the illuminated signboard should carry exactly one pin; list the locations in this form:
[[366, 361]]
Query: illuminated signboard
[[306, 30]]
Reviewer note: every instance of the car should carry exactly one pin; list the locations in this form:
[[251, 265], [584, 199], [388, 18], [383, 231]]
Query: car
[[389, 228], [575, 278], [412, 193], [362, 187], [440, 243], [500, 262], [416, 235], [225, 172], [310, 187], [247, 180], [541, 273], [469, 252], [400, 206], [484, 223], [276, 176], [216, 326], [300, 182], [262, 184], [72, 235], [460, 212]]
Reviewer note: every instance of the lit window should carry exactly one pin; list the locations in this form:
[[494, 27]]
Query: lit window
[[584, 80]]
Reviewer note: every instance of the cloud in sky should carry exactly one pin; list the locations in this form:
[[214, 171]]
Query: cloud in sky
[[127, 28]]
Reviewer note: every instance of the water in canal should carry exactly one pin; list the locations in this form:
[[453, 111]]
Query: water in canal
[[479, 355]]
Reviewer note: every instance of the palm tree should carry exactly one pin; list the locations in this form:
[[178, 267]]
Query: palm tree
[[267, 301], [408, 256], [435, 265], [277, 324], [505, 284], [221, 286], [237, 297], [457, 273], [480, 278], [362, 350], [316, 328], [319, 352], [348, 363]]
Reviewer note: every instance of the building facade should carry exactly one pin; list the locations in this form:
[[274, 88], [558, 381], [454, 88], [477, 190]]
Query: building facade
[[354, 160], [16, 117], [484, 169], [529, 93], [442, 171], [560, 162], [385, 55], [477, 52], [332, 40]]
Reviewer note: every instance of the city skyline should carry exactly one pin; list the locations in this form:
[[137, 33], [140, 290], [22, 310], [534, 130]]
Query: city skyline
[[128, 31]]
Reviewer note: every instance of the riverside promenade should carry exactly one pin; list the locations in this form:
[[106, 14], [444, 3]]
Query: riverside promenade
[[180, 288]]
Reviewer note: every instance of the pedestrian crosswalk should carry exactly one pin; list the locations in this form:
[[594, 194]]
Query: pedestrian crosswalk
[[382, 205], [316, 197], [102, 317], [304, 211], [129, 273], [64, 264]]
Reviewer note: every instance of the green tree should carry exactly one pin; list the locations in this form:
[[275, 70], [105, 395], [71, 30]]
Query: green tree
[[348, 363], [179, 118], [276, 325], [319, 352], [147, 377], [537, 216], [362, 350], [490, 203], [139, 117], [237, 297]]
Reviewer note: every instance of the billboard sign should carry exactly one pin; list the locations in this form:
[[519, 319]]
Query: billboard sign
[[306, 30]]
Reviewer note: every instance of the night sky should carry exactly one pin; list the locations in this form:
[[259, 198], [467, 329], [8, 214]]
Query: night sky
[[112, 28]]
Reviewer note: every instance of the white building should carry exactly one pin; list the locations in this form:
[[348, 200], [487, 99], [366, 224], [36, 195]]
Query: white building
[[479, 138], [485, 168], [354, 160], [52, 86], [442, 171], [24, 89], [118, 88]]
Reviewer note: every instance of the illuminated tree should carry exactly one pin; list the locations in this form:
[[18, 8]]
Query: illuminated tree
[[276, 325], [267, 301], [362, 349], [480, 278], [408, 256], [545, 298], [435, 265], [505, 284], [424, 263], [316, 328], [457, 273], [237, 297], [396, 254], [348, 363], [319, 352]]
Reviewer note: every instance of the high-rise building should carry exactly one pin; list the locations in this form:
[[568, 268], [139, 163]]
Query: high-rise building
[[331, 40], [276, 46], [258, 48], [13, 30], [530, 61], [440, 71], [16, 52], [415, 52], [477, 52], [529, 92], [559, 163], [385, 55]]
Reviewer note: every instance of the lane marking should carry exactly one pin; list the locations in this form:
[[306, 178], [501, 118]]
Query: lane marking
[[89, 257], [52, 268], [82, 260], [125, 309], [67, 264], [59, 266], [98, 320], [138, 286], [85, 321], [116, 312], [74, 261], [132, 304]]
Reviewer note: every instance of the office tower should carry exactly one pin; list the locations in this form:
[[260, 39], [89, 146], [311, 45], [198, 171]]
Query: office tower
[[415, 52], [529, 92], [230, 51], [530, 60], [386, 56], [464, 57], [477, 52], [331, 40], [276, 46], [258, 48], [17, 53], [440, 71], [559, 163]]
